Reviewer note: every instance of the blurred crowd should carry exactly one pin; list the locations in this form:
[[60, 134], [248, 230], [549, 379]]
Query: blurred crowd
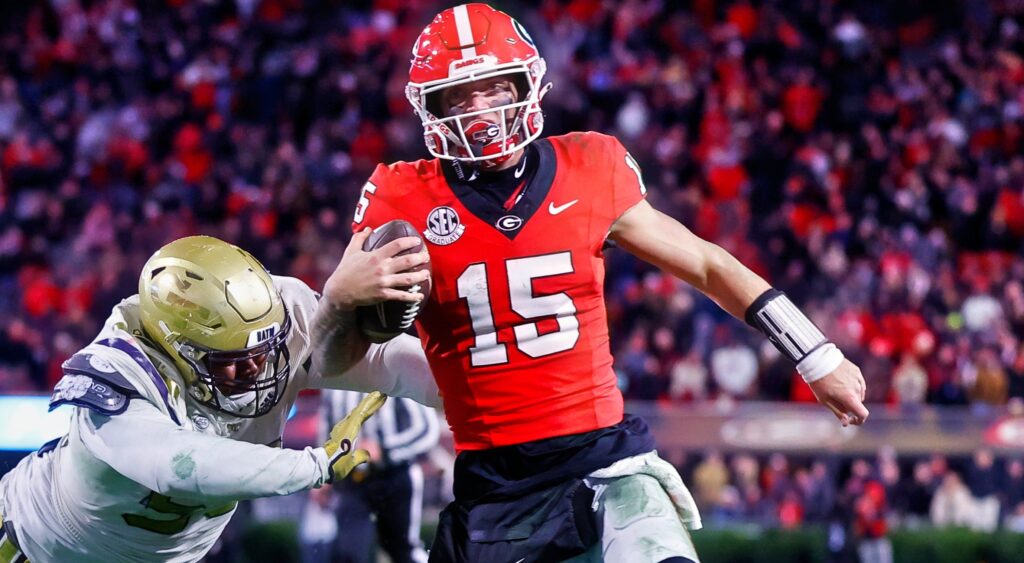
[[865, 157], [869, 495], [859, 502]]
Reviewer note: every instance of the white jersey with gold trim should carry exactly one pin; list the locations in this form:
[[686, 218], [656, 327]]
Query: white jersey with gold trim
[[145, 473]]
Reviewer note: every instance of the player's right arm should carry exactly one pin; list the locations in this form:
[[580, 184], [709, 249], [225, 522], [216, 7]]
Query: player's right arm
[[397, 367], [144, 445], [361, 278]]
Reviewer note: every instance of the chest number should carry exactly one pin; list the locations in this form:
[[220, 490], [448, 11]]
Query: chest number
[[473, 287]]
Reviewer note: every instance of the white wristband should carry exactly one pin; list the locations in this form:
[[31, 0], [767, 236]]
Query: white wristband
[[821, 362]]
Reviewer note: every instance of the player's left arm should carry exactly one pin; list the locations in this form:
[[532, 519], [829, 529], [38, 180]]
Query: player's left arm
[[147, 447], [664, 242]]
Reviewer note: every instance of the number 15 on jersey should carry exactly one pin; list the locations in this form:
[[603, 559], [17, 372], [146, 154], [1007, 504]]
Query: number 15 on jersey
[[473, 287]]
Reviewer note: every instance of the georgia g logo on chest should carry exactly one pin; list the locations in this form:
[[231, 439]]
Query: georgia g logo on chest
[[443, 226]]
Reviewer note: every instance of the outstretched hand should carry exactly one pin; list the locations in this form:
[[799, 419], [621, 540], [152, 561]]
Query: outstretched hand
[[842, 391]]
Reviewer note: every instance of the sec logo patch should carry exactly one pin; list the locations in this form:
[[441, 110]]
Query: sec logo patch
[[443, 226]]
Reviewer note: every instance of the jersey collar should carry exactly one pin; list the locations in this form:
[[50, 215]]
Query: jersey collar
[[533, 193]]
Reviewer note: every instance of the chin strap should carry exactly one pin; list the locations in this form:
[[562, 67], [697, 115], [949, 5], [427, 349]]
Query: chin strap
[[544, 90]]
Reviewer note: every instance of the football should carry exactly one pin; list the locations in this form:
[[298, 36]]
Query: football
[[388, 319]]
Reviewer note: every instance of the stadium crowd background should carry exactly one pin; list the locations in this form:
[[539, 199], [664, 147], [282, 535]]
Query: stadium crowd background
[[866, 157]]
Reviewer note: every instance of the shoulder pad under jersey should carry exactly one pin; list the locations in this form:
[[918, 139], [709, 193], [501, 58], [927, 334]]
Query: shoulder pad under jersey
[[90, 382]]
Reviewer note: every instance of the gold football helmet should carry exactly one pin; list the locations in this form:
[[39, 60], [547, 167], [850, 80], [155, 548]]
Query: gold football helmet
[[215, 311]]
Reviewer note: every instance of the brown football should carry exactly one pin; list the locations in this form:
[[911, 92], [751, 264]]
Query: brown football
[[388, 319]]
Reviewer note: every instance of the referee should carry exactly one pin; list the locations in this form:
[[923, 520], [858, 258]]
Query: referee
[[390, 486]]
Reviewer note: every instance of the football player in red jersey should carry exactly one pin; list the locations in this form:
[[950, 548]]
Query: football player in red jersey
[[515, 329]]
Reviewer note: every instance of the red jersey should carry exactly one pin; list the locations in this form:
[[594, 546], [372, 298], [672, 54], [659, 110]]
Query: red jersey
[[515, 328]]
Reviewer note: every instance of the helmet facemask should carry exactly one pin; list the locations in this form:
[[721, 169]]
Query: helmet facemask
[[245, 398], [458, 137]]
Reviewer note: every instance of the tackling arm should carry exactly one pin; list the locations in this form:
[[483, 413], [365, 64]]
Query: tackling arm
[[397, 368], [145, 446], [336, 343], [664, 242]]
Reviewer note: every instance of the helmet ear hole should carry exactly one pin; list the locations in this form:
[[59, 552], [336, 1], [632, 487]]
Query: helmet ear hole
[[522, 86], [434, 105]]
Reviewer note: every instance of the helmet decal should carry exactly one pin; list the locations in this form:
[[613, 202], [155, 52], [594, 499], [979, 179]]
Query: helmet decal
[[261, 335], [522, 33]]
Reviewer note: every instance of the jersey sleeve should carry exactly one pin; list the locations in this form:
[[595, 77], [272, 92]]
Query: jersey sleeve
[[374, 207], [397, 367], [627, 187], [301, 301], [145, 446]]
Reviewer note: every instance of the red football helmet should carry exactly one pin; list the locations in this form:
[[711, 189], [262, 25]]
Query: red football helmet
[[468, 43]]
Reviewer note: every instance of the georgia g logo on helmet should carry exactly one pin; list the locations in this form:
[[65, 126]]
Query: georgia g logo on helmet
[[465, 44]]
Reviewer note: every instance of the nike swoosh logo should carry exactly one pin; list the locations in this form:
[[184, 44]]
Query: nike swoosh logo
[[556, 209], [522, 168]]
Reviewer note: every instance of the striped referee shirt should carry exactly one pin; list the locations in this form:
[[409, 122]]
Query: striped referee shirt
[[404, 428]]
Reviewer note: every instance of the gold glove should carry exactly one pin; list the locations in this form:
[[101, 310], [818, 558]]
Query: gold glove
[[340, 457]]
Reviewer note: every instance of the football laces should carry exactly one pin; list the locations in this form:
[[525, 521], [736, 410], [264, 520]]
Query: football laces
[[412, 309]]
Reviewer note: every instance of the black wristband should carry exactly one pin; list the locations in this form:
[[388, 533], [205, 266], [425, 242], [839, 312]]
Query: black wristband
[[786, 327], [751, 315]]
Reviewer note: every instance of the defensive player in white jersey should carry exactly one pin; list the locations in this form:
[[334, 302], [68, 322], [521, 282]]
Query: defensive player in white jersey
[[181, 400]]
